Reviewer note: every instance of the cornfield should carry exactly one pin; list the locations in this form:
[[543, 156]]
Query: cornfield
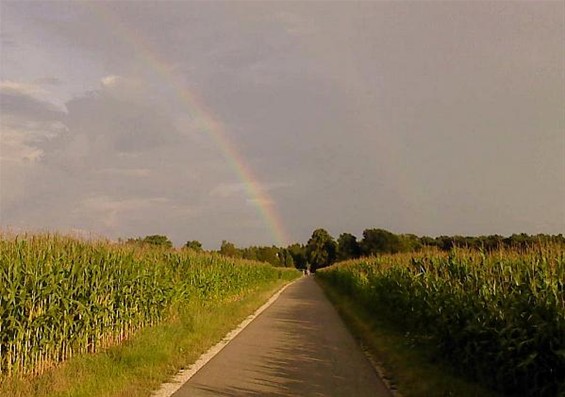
[[60, 296], [499, 317]]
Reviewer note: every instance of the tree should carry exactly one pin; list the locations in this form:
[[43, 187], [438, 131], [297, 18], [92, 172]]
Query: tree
[[347, 247], [268, 254], [320, 250], [378, 241], [493, 242], [157, 240], [228, 249], [250, 253], [428, 241], [298, 253], [194, 245], [410, 242], [285, 258]]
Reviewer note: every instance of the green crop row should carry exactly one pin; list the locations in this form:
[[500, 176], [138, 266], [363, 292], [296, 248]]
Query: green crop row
[[499, 318], [60, 296]]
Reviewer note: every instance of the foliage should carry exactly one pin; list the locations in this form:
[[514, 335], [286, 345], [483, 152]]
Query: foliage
[[285, 258], [298, 254], [320, 250], [280, 257], [347, 247], [228, 249], [380, 241], [155, 240], [60, 296], [263, 254], [493, 242], [194, 245], [498, 317]]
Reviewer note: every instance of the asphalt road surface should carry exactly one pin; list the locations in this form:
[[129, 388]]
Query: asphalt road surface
[[297, 347]]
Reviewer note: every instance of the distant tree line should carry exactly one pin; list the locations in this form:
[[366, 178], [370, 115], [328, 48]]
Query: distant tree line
[[154, 240], [323, 250], [274, 255]]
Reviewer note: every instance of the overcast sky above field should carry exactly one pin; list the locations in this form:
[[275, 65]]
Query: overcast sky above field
[[417, 117]]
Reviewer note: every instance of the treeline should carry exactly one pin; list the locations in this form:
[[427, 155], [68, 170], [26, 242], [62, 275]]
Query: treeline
[[276, 256], [378, 241], [322, 249]]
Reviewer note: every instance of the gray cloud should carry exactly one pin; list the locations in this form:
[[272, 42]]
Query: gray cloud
[[129, 128], [25, 107], [50, 81], [118, 166], [432, 118]]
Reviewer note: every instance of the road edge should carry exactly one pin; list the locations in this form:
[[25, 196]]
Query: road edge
[[346, 317], [169, 388]]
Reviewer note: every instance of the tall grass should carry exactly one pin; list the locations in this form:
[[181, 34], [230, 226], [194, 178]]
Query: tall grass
[[499, 317], [60, 296]]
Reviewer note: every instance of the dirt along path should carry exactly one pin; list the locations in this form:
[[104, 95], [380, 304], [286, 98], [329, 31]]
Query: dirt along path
[[297, 347]]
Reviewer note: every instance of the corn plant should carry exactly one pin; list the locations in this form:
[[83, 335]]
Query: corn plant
[[499, 318], [60, 297]]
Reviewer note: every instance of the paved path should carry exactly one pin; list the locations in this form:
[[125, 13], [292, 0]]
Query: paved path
[[297, 347]]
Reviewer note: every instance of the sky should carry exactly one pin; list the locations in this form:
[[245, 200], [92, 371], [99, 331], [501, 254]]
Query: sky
[[258, 122]]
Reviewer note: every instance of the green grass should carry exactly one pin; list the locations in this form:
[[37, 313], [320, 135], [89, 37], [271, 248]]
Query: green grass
[[410, 366], [151, 357]]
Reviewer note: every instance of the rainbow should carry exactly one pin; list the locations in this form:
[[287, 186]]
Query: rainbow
[[257, 194]]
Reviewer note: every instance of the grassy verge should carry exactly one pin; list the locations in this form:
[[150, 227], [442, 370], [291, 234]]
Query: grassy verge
[[151, 357], [408, 365]]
